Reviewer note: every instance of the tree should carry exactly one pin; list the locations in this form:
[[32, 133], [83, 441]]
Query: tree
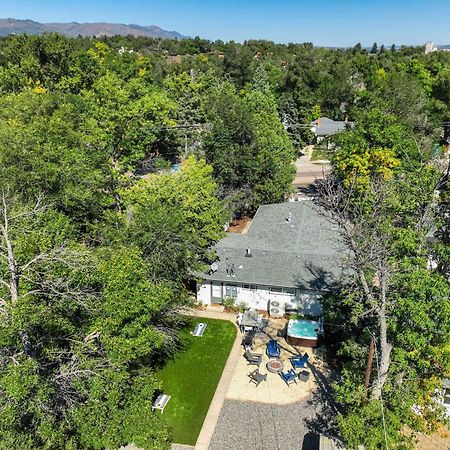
[[391, 295], [61, 356], [441, 248], [129, 116], [118, 412], [249, 148], [45, 297], [275, 154], [46, 146], [175, 218], [374, 49]]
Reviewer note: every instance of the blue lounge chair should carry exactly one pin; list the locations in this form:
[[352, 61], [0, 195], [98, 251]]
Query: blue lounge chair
[[299, 362], [289, 377], [273, 349]]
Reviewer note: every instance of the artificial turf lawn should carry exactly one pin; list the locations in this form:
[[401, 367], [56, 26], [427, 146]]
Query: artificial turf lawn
[[192, 376]]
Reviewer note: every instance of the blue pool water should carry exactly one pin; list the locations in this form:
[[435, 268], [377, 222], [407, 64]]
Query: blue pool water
[[307, 329]]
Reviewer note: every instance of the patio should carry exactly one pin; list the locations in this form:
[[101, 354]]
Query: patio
[[274, 390]]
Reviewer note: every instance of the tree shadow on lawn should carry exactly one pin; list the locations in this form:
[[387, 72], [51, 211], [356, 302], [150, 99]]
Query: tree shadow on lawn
[[177, 343]]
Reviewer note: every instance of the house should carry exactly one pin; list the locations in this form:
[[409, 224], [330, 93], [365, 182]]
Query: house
[[290, 256], [324, 127], [444, 397]]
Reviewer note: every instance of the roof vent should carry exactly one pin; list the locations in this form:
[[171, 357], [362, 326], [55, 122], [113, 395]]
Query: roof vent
[[232, 272], [289, 217], [248, 253], [214, 266]]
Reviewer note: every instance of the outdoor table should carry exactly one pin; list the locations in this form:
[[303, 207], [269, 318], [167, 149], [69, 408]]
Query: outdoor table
[[303, 375], [250, 319]]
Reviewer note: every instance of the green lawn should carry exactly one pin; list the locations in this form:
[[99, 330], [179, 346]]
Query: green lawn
[[191, 378]]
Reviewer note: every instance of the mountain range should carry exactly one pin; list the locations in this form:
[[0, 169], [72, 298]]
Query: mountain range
[[15, 26]]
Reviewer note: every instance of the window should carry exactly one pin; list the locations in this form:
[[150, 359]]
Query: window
[[275, 289], [290, 291], [249, 287], [231, 291], [279, 290]]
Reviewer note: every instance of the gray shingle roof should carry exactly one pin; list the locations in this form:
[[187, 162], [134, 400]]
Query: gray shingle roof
[[304, 252], [326, 127]]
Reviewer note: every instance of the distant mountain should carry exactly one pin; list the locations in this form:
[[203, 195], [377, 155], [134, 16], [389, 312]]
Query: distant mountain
[[10, 26]]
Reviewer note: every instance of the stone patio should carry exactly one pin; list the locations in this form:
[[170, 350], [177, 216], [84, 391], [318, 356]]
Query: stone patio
[[274, 390]]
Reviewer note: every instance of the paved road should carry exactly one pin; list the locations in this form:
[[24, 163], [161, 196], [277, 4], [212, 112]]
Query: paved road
[[308, 172]]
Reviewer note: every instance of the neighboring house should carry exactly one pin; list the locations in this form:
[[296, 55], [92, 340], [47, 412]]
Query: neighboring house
[[288, 259], [444, 397], [324, 127]]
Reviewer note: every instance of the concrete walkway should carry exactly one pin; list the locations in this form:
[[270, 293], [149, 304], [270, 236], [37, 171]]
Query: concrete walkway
[[210, 422]]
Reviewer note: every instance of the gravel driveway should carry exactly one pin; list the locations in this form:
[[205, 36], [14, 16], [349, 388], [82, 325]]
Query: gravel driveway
[[258, 426]]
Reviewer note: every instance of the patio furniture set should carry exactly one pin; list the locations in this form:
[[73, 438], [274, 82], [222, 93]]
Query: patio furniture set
[[251, 320], [273, 351]]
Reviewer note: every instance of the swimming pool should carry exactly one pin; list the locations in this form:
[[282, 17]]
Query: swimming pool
[[303, 333]]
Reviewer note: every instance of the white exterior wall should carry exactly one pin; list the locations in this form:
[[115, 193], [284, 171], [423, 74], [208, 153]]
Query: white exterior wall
[[204, 293], [260, 298]]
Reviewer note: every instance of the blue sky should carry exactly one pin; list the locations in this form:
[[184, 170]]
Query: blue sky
[[323, 22]]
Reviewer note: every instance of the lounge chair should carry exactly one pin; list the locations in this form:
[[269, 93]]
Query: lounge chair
[[299, 362], [161, 402], [256, 377], [253, 358], [273, 349], [289, 377]]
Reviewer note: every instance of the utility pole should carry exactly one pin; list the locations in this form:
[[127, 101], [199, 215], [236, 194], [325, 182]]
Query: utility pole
[[369, 365]]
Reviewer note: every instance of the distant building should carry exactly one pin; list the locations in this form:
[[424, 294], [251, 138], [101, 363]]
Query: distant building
[[324, 127], [288, 259], [430, 47]]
